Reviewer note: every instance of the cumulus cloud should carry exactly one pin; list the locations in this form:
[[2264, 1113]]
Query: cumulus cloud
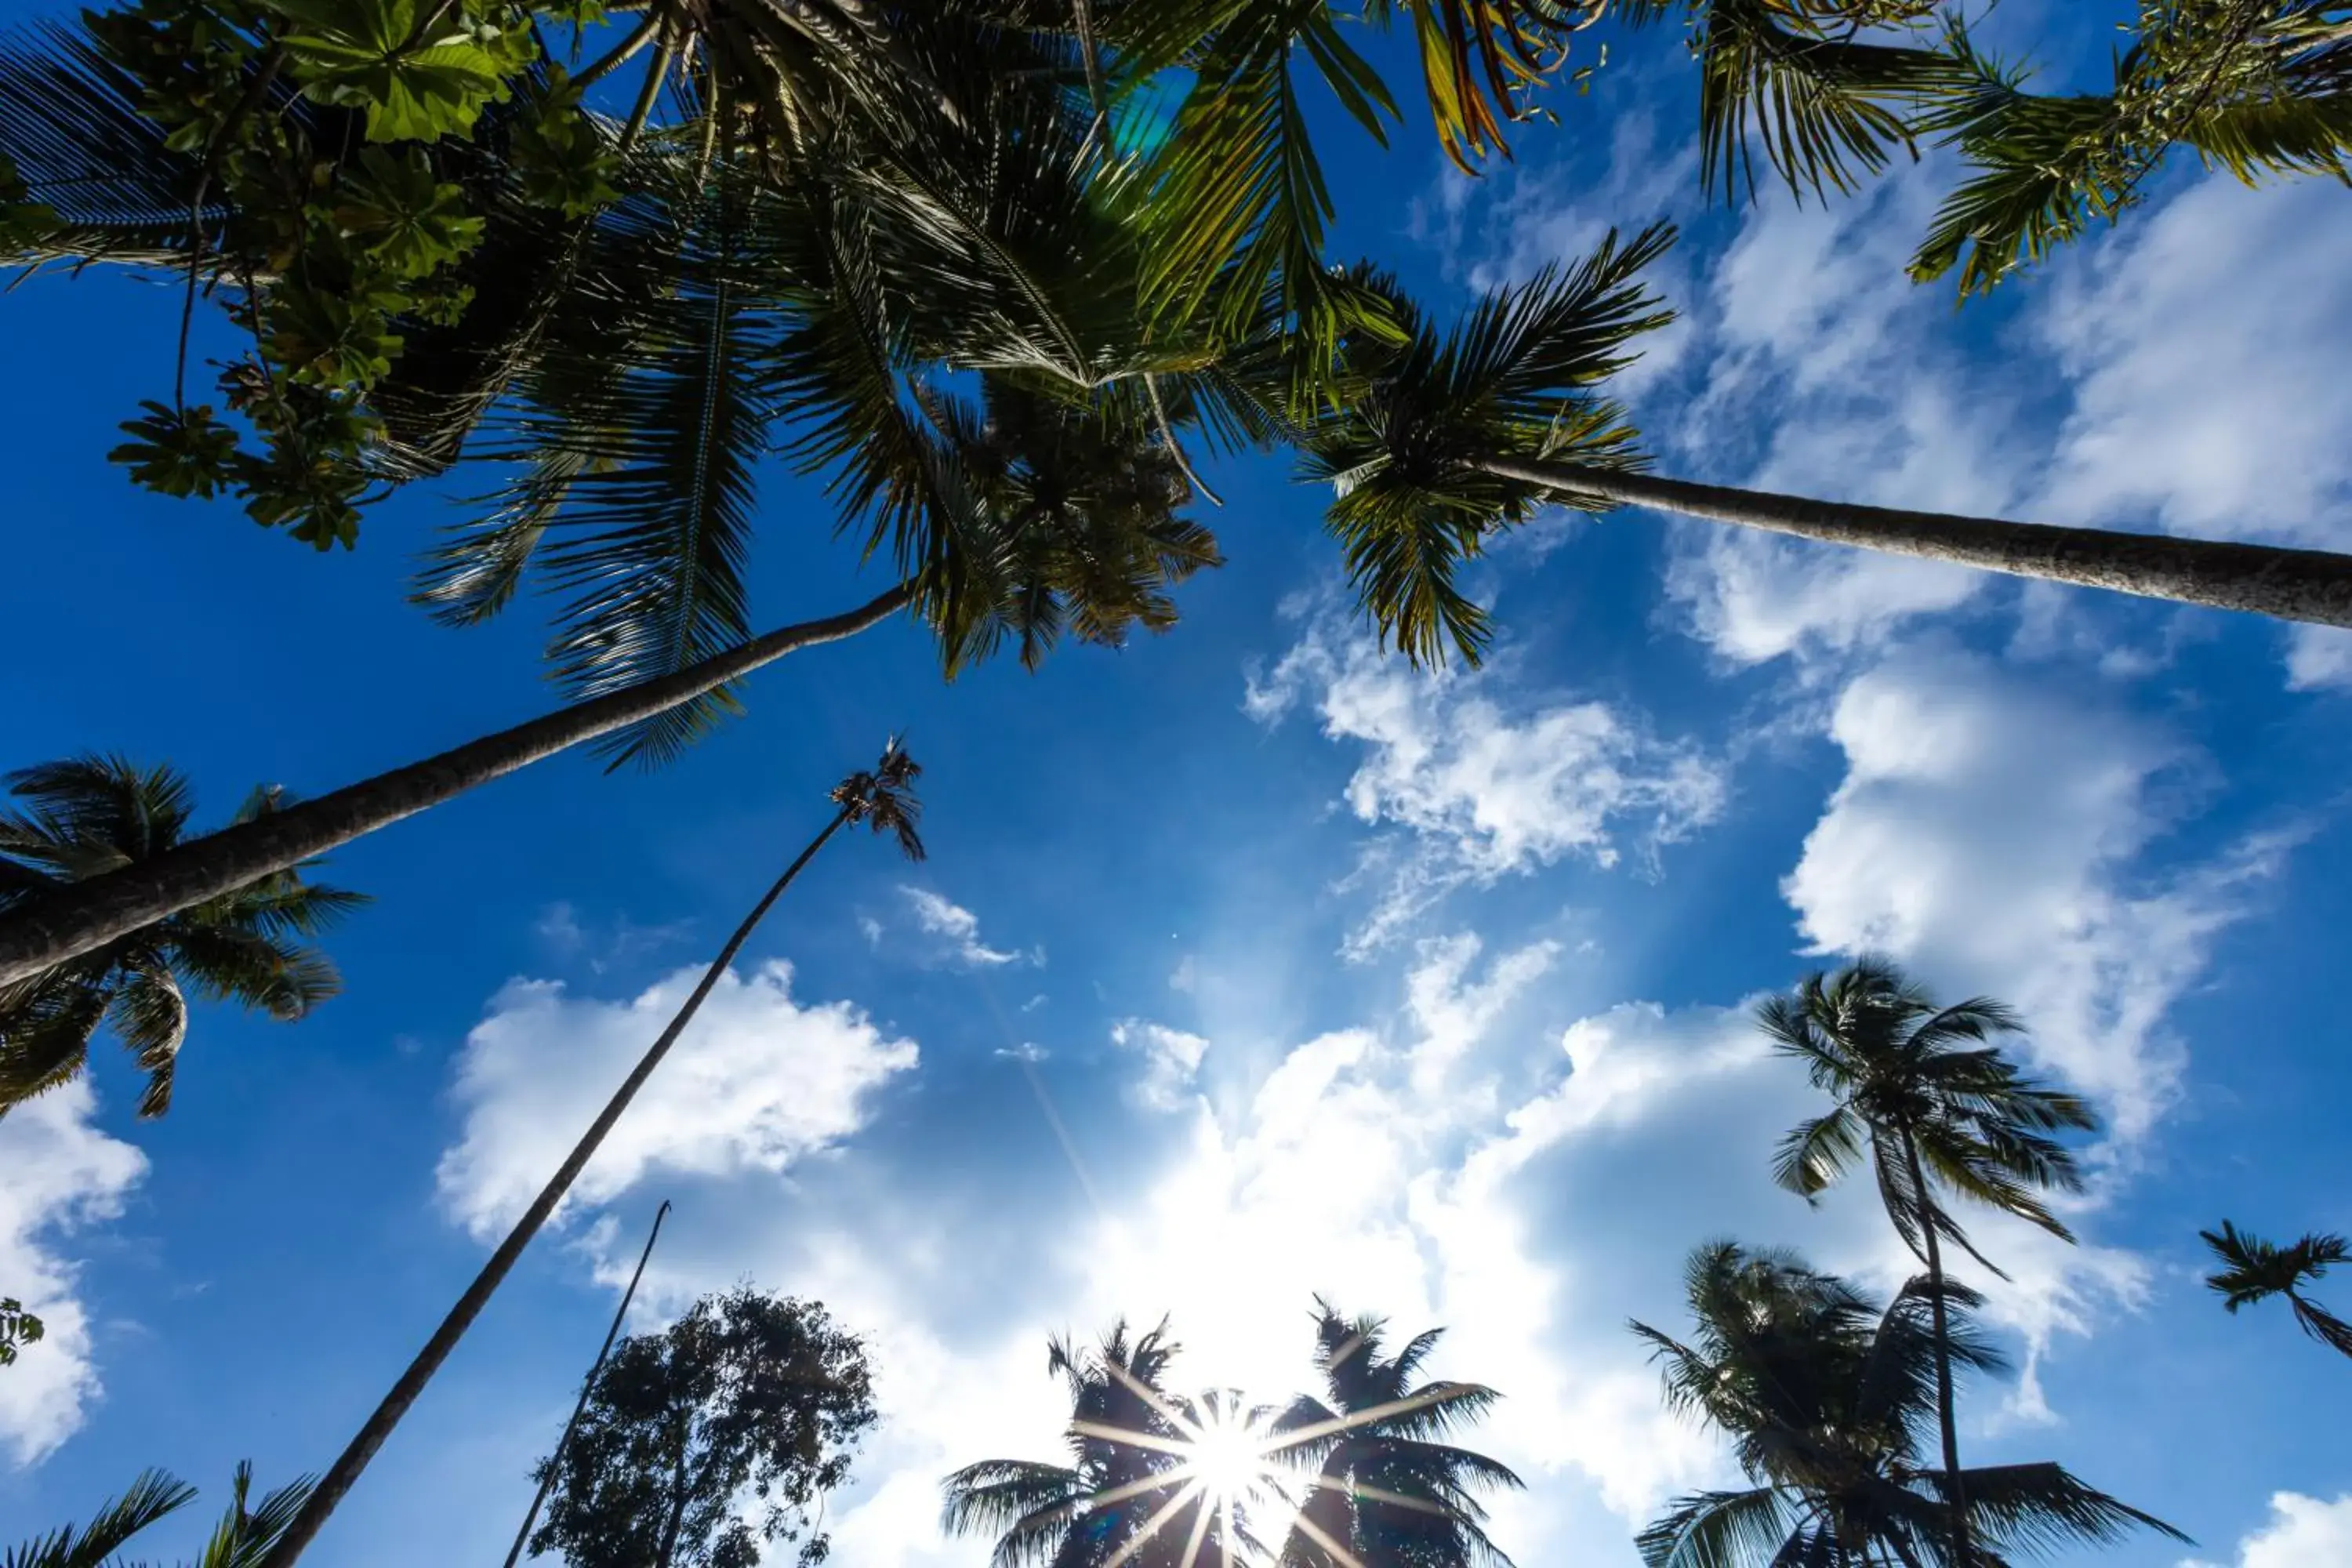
[[757, 1081], [958, 929], [1826, 372], [2303, 1532], [1482, 779], [1987, 829], [1172, 1059], [63, 1174]]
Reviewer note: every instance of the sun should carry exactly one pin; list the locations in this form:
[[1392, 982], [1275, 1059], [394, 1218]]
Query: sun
[[1228, 1453]]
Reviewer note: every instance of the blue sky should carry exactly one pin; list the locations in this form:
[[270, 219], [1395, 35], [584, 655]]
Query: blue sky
[[1424, 992]]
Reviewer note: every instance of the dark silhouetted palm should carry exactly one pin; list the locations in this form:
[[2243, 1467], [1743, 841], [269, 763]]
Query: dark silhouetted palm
[[1387, 1490], [1933, 1105], [91, 815], [884, 800], [1829, 1403], [1118, 1496], [1434, 445], [2255, 1270]]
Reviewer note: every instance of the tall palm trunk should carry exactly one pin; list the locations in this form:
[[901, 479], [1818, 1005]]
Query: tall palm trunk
[[555, 1461], [378, 1427], [2266, 579], [1955, 1494], [88, 914]]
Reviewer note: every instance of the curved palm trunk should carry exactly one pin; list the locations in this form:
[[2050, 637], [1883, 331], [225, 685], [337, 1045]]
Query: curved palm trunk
[[378, 1427], [89, 914], [555, 1461], [2311, 586], [1955, 1491]]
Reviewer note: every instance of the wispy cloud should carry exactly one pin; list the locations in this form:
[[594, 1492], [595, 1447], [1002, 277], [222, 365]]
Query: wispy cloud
[[958, 929], [1484, 779]]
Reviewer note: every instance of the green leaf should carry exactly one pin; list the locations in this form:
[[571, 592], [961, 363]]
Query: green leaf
[[409, 221], [179, 452], [368, 54]]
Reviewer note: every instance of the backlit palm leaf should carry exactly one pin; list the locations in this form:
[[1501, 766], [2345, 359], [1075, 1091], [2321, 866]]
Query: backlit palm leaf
[[1514, 378], [151, 1497], [2253, 1270]]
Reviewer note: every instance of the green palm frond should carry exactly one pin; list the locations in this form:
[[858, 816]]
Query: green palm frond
[[46, 1027], [1816, 1153], [1829, 109], [1719, 1530], [90, 815], [1513, 379], [152, 1496], [72, 125]]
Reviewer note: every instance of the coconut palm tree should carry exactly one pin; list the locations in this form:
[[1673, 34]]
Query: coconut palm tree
[[90, 816], [239, 1540], [632, 372], [1121, 1496], [1436, 444], [1387, 1489], [1921, 1092], [883, 799], [1827, 1400], [2255, 1270], [1833, 89]]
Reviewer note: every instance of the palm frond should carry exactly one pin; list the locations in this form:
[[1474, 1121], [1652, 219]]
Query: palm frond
[[151, 1496], [71, 125], [1828, 110], [1719, 1530], [2041, 1507], [46, 1025]]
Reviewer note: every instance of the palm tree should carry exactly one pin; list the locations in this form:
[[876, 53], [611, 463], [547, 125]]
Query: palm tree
[[1120, 1498], [2254, 1270], [240, 1541], [1387, 1490], [1437, 443], [90, 816], [884, 799], [587, 1388], [1920, 1090], [633, 369], [1827, 1401]]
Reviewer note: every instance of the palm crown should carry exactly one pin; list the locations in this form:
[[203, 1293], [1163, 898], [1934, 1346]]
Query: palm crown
[[1108, 1503], [2255, 1270], [91, 815], [1405, 447], [1830, 1403], [1387, 1490], [1909, 1075]]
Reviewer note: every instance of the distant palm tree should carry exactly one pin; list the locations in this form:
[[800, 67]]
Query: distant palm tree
[[1112, 1500], [1827, 1401], [88, 816], [1388, 1492], [2254, 1270], [1934, 1105], [884, 799], [239, 1540]]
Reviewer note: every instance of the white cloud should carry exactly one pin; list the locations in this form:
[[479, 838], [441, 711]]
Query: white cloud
[[960, 929], [1172, 1059], [2303, 1532], [1829, 373], [1987, 831], [2206, 344], [1485, 780], [63, 1174], [757, 1081]]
